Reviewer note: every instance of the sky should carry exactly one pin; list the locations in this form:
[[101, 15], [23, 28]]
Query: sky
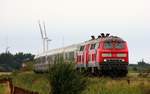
[[74, 21]]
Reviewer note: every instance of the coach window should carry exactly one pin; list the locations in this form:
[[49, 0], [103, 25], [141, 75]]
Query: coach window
[[43, 60], [37, 60], [68, 55], [71, 56], [65, 56], [81, 48]]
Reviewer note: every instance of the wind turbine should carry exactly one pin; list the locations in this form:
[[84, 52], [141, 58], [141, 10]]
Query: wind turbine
[[42, 36], [46, 38]]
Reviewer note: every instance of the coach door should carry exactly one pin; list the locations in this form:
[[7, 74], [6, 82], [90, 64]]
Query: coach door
[[80, 56], [92, 54], [86, 52]]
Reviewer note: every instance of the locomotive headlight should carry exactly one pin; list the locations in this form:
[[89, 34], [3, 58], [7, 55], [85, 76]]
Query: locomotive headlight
[[122, 60], [105, 60], [106, 55], [121, 55]]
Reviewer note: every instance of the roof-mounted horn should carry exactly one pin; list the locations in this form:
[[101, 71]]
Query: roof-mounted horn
[[107, 35], [93, 37], [99, 36], [102, 35]]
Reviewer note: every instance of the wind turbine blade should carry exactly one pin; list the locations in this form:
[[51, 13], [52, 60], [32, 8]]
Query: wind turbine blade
[[45, 30], [41, 30]]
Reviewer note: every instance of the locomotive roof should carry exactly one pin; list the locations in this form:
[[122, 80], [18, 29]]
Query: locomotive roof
[[109, 38], [113, 38]]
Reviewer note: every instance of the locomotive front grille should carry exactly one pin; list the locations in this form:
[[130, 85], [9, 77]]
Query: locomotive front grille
[[114, 64], [114, 60]]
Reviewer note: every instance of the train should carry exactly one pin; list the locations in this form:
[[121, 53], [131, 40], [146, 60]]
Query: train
[[103, 55]]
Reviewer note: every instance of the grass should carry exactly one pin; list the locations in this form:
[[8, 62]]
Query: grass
[[103, 85], [32, 82], [5, 73], [110, 86], [3, 89]]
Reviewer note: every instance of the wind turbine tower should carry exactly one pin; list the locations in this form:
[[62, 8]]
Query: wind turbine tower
[[45, 40], [42, 36]]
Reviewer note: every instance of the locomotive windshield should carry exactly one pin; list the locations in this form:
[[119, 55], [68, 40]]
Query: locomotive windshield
[[119, 45], [108, 45], [116, 45]]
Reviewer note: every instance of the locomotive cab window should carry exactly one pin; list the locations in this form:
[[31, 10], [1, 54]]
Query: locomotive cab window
[[108, 45], [97, 45], [119, 45], [93, 46]]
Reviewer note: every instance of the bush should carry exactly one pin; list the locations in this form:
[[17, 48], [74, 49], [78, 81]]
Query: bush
[[135, 69], [64, 79]]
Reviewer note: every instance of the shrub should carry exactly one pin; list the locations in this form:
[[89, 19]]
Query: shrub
[[64, 79], [135, 69]]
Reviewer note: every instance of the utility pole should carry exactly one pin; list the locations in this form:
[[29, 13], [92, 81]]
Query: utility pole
[[7, 49], [63, 48]]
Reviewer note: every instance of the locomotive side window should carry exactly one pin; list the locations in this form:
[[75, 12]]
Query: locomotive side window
[[92, 46], [81, 48], [119, 45], [97, 45], [108, 45]]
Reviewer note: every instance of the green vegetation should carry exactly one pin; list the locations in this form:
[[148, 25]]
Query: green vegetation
[[32, 82], [64, 79], [103, 85], [4, 73], [141, 67], [10, 62], [110, 86], [2, 89]]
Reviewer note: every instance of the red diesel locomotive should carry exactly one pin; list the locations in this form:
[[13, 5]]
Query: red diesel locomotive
[[106, 54], [103, 55]]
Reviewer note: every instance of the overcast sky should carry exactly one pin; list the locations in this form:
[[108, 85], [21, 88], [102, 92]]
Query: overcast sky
[[76, 21]]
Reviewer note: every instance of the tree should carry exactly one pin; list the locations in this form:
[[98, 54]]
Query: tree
[[10, 62], [141, 63], [21, 57]]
